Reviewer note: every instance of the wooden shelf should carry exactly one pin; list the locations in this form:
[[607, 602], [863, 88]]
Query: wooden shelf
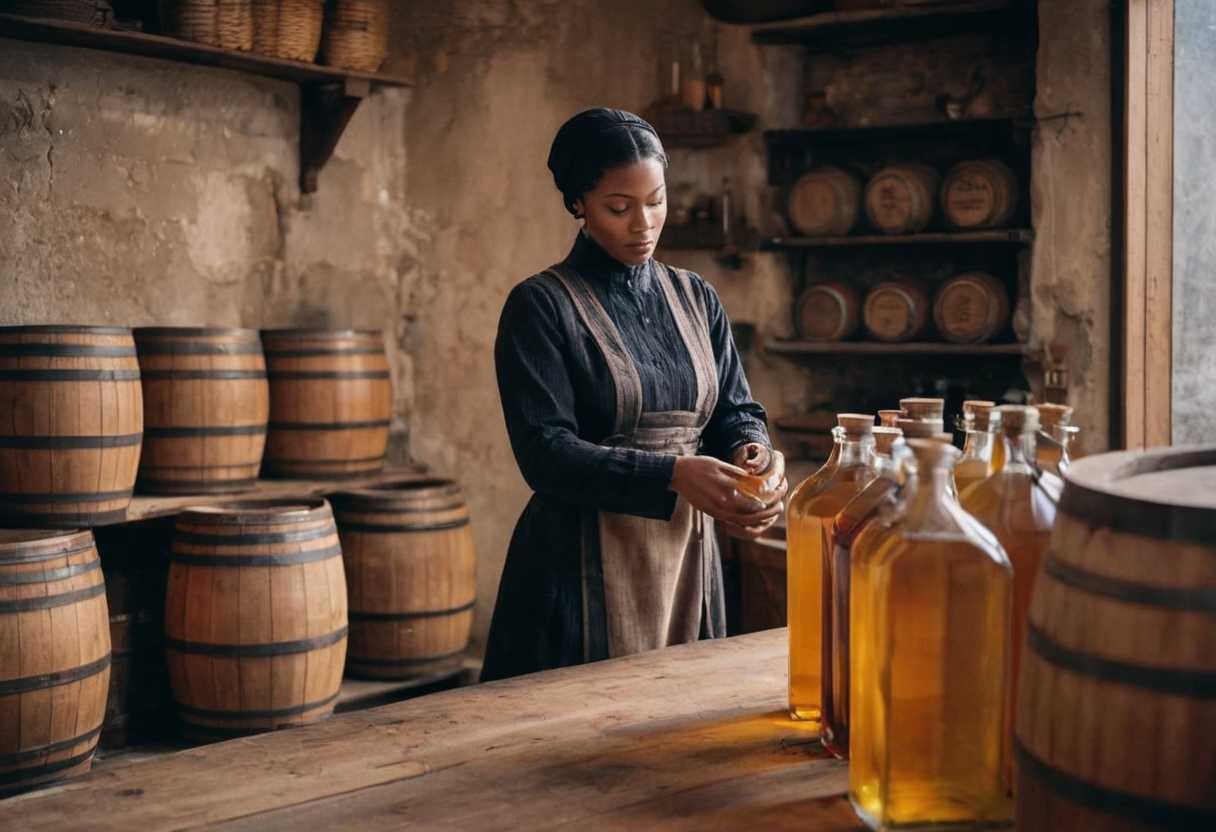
[[864, 348], [995, 235], [871, 27], [328, 96], [696, 130], [145, 507]]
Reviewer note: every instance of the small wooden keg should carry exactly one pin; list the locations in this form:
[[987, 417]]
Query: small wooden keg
[[899, 198], [1117, 702], [331, 403], [825, 202], [896, 310], [255, 617], [971, 308], [206, 404], [410, 568], [979, 194], [828, 311], [54, 656], [71, 422]]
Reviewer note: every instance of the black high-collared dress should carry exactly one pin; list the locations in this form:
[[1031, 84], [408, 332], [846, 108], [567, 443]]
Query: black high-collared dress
[[560, 401]]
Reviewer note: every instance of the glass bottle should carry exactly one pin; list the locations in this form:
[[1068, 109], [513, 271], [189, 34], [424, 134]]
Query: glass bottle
[[1018, 504], [930, 636], [983, 450], [877, 494], [812, 507], [1053, 453]]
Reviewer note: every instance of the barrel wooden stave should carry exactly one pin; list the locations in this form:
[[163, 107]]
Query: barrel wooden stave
[[979, 193], [71, 424], [206, 405], [899, 198], [1115, 717], [828, 311], [330, 403], [410, 566], [896, 310], [825, 201], [54, 656], [971, 308], [258, 646]]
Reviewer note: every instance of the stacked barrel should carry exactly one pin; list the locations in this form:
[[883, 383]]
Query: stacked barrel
[[250, 625]]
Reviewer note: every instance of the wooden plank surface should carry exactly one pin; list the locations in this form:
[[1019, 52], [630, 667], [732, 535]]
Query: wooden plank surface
[[157, 46], [144, 507], [691, 737]]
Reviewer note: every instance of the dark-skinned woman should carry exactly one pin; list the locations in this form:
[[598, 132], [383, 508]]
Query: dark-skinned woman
[[624, 398]]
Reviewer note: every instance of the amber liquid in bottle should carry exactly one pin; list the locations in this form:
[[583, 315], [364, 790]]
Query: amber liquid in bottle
[[1018, 505], [983, 454], [878, 495], [812, 509], [930, 625]]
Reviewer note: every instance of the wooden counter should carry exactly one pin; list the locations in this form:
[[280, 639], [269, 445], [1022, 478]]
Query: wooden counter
[[691, 737]]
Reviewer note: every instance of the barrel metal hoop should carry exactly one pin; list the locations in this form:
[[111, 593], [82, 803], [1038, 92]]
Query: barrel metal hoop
[[352, 425], [1194, 684], [294, 710], [350, 504], [25, 684], [1173, 598], [21, 775], [355, 615], [48, 575], [66, 520], [48, 602], [80, 497], [237, 348], [372, 662], [224, 430], [203, 375], [69, 375], [318, 352], [125, 440], [303, 375], [45, 554], [272, 461], [79, 350], [373, 528], [276, 648], [50, 748], [234, 561], [203, 539], [1117, 803]]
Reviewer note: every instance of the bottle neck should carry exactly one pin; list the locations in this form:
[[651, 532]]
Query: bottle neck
[[931, 485], [1019, 452], [979, 443], [850, 450]]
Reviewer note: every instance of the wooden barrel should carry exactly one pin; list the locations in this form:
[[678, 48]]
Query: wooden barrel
[[206, 404], [1117, 702], [899, 198], [825, 202], [54, 656], [255, 617], [896, 310], [331, 402], [71, 421], [982, 193], [828, 311], [971, 308], [410, 569]]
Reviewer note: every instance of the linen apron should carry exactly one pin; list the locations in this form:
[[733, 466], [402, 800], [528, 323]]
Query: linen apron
[[649, 583]]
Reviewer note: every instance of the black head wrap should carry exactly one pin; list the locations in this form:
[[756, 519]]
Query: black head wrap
[[595, 141]]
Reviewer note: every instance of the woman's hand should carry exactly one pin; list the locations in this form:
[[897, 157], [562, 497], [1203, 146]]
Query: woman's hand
[[711, 486], [761, 461]]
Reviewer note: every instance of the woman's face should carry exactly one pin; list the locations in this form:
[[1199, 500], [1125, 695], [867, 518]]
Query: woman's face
[[625, 212]]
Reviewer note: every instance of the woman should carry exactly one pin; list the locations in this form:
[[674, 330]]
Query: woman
[[615, 372]]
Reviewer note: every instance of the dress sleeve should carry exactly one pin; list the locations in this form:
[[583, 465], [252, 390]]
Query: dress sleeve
[[738, 418], [538, 404]]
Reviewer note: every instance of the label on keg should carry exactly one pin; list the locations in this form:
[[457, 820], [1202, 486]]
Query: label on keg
[[970, 200]]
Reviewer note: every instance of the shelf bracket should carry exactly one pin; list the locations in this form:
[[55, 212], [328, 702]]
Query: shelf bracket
[[325, 110]]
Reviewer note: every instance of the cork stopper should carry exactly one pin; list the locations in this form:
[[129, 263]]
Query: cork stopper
[[921, 428], [1017, 419], [931, 453], [885, 439], [973, 407], [1051, 415], [924, 408], [856, 424], [888, 418], [980, 415]]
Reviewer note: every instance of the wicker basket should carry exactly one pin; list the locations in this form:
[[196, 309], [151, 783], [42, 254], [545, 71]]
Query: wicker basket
[[289, 29], [93, 12], [356, 34], [227, 24]]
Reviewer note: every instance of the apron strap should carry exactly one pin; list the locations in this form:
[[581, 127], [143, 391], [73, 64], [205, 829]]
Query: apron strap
[[693, 326]]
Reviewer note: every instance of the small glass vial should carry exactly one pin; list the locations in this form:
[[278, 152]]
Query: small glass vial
[[983, 450], [1054, 452], [929, 626], [812, 507]]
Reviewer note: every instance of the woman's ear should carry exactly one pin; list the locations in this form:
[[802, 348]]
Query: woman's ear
[[579, 209]]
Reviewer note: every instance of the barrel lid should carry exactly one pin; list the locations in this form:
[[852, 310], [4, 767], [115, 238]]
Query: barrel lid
[[64, 329], [1166, 493], [9, 537], [401, 490], [202, 331], [257, 511]]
